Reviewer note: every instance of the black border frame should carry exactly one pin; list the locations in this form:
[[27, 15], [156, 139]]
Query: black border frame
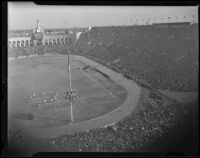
[[4, 147]]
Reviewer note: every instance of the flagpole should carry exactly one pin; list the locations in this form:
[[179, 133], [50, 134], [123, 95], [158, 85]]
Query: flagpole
[[69, 67]]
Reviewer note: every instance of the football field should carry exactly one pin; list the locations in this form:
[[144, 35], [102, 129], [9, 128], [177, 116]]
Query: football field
[[32, 80]]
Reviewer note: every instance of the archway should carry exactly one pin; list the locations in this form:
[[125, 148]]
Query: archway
[[58, 41], [27, 43], [31, 42], [62, 41], [54, 41], [50, 42], [13, 44], [18, 43], [46, 42], [22, 43]]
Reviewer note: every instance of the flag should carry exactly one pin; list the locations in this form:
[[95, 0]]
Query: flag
[[68, 62]]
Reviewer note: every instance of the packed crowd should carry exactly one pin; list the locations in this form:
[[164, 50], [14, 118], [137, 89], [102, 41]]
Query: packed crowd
[[140, 128], [165, 58]]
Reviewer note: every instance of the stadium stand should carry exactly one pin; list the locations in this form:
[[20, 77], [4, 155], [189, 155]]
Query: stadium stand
[[155, 57], [165, 58]]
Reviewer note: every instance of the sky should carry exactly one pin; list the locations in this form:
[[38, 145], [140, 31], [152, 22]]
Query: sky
[[23, 15]]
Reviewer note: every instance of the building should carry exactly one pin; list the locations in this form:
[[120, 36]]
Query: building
[[39, 37]]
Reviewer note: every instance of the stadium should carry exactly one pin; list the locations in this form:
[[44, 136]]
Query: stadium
[[134, 85]]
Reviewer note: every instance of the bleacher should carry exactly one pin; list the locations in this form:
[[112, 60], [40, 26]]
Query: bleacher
[[166, 58]]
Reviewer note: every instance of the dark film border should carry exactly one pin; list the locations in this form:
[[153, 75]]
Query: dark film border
[[4, 144]]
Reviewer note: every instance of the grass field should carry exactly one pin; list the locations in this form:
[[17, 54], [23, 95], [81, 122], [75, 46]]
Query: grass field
[[48, 74]]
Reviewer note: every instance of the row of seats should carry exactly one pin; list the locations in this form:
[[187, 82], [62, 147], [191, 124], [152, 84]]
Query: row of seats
[[166, 58]]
